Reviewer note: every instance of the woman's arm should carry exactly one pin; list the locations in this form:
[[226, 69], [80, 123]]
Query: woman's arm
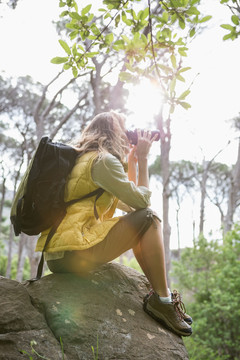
[[142, 150], [132, 165], [108, 173]]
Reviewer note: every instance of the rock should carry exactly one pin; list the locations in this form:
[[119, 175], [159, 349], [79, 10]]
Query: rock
[[102, 313]]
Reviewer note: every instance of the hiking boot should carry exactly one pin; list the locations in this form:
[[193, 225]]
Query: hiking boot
[[187, 318], [169, 314], [177, 298]]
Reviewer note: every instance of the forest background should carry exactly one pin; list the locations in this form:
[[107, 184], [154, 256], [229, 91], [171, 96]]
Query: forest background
[[140, 58]]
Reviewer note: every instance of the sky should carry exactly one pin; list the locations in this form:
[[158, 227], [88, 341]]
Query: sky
[[28, 41]]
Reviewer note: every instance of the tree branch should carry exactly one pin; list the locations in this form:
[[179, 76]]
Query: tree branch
[[59, 92], [41, 100], [66, 117]]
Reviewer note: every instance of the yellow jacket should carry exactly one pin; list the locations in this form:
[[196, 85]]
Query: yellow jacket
[[80, 229]]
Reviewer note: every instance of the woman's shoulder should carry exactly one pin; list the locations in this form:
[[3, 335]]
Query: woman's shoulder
[[108, 159]]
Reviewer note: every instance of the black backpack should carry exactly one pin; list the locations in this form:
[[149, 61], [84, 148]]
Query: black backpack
[[39, 202]]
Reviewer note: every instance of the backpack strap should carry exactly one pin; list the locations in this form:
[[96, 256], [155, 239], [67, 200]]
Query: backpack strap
[[98, 193]]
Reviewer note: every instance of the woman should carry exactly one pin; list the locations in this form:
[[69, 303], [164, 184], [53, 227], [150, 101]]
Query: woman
[[85, 240]]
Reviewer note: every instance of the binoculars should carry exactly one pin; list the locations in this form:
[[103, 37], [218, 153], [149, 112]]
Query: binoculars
[[133, 135]]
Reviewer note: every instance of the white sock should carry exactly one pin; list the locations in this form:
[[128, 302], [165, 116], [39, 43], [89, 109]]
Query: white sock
[[166, 300]]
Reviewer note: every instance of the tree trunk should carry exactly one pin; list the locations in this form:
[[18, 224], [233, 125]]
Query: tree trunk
[[9, 263], [165, 149], [2, 201], [32, 255], [116, 97], [21, 258], [203, 185], [165, 168], [178, 231], [96, 86], [234, 194]]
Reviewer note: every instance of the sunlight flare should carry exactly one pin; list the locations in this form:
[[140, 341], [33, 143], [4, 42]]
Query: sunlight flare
[[144, 102]]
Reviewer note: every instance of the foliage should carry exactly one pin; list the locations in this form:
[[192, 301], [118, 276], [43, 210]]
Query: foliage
[[208, 274], [34, 352], [132, 263], [234, 27], [3, 265], [25, 104], [95, 354], [14, 265], [152, 39]]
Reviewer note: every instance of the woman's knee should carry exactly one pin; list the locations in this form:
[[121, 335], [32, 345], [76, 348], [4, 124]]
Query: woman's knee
[[147, 214]]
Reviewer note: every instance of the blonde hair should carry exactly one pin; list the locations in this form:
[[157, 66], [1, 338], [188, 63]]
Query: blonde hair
[[105, 133]]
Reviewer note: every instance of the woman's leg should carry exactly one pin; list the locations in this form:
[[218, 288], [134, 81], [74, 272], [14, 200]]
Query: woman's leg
[[140, 231], [151, 257], [123, 236]]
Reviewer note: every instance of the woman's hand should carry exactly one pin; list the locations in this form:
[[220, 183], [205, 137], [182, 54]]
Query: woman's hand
[[144, 144]]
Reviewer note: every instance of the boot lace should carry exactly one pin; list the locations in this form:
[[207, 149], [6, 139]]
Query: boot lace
[[178, 304]]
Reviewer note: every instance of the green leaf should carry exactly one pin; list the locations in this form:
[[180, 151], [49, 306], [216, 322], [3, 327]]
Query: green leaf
[[185, 105], [72, 26], [91, 54], [185, 69], [117, 20], [227, 26], [67, 66], [144, 39], [86, 9], [182, 51], [172, 108], [108, 15], [73, 34], [235, 19], [144, 13], [64, 13], [180, 77], [75, 15], [125, 76], [173, 18], [173, 61], [95, 29], [205, 18], [75, 71], [192, 32], [109, 38], [132, 12], [126, 39], [165, 16], [59, 60], [75, 6], [119, 45], [81, 48], [228, 36], [181, 23], [65, 46], [184, 95], [125, 19], [165, 68], [193, 11], [74, 50], [172, 85]]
